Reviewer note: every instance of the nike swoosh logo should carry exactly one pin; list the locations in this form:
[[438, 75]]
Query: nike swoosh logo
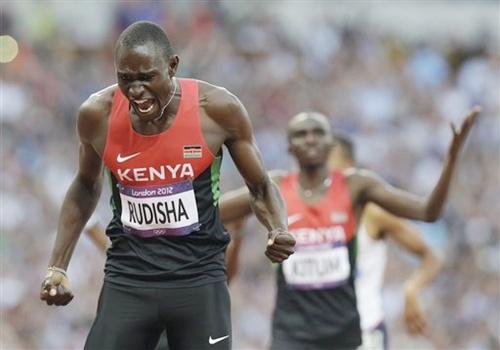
[[294, 218], [216, 340], [121, 159]]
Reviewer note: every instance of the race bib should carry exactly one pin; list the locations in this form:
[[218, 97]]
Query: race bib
[[310, 268], [159, 210]]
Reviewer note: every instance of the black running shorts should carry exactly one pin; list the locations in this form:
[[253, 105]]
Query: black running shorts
[[133, 318]]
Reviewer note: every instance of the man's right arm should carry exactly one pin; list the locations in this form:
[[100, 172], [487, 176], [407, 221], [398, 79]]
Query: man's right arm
[[79, 203]]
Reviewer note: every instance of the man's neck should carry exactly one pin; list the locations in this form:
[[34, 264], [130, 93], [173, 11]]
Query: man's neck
[[313, 176]]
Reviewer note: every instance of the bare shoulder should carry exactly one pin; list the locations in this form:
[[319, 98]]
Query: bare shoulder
[[221, 105], [94, 112], [359, 181], [99, 103], [360, 177]]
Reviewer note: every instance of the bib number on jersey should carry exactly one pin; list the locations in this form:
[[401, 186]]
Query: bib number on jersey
[[317, 269], [159, 210]]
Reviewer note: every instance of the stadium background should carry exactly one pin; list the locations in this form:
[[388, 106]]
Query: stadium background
[[391, 74]]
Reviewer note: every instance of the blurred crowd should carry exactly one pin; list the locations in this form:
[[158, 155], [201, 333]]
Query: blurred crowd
[[395, 97]]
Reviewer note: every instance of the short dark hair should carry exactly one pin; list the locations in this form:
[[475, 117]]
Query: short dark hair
[[141, 32], [346, 144]]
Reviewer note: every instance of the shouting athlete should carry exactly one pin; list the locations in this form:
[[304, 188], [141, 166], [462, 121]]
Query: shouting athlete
[[159, 138]]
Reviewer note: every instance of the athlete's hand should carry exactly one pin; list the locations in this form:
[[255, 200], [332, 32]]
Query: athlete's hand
[[414, 317], [280, 245], [460, 135], [55, 289]]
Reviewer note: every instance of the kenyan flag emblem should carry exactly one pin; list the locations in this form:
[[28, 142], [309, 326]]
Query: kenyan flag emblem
[[192, 151]]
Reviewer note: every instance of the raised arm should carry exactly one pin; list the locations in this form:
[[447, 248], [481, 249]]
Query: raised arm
[[408, 237], [79, 203], [404, 204], [265, 199]]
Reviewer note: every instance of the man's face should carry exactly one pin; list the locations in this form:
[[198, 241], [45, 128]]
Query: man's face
[[310, 140], [144, 76]]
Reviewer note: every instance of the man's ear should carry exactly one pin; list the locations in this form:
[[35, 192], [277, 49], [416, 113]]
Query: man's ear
[[173, 64]]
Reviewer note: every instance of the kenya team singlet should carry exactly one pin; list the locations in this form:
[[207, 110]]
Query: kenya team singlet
[[316, 302], [165, 230]]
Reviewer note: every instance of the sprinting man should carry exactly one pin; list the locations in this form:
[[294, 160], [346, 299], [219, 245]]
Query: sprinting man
[[159, 138], [316, 302], [376, 225]]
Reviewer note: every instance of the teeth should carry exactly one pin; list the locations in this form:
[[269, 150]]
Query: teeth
[[143, 101], [149, 109]]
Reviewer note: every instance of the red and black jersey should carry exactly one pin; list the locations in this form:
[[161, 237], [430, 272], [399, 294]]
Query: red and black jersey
[[165, 190], [316, 302]]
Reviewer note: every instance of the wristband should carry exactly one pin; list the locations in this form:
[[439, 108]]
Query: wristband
[[278, 230], [58, 269]]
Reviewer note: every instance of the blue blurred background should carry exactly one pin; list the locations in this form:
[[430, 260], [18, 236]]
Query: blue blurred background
[[391, 74]]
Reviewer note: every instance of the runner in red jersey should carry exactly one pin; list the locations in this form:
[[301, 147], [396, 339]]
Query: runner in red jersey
[[316, 301], [160, 139]]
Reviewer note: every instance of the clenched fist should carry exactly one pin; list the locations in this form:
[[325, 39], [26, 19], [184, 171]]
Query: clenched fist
[[280, 245], [55, 289]]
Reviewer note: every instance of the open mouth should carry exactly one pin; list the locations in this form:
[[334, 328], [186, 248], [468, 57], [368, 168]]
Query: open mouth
[[312, 152], [144, 106]]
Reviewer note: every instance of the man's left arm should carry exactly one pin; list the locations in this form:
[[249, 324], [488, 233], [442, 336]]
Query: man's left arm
[[265, 198], [407, 205]]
